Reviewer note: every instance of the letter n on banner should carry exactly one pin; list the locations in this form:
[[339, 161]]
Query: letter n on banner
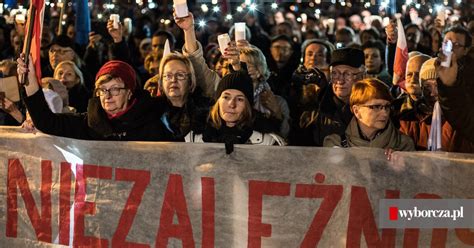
[[17, 180]]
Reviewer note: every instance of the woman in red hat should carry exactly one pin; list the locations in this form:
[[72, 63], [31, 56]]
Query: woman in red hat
[[117, 111]]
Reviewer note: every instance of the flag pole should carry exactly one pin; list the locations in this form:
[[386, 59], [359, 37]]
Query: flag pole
[[63, 9], [29, 37]]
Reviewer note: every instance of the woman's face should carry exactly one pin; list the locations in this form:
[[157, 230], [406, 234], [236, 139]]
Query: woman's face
[[114, 96], [66, 75], [254, 73], [373, 115], [231, 106], [175, 80]]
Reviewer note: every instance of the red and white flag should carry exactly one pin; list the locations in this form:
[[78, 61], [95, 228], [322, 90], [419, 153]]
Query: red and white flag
[[36, 31], [401, 57]]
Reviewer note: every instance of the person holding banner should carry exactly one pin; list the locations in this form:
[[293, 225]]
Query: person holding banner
[[370, 102], [231, 119], [118, 110], [185, 109]]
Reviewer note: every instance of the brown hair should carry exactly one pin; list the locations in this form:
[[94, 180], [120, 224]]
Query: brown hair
[[216, 120], [368, 89]]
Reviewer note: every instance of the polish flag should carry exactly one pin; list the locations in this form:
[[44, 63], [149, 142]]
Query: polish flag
[[401, 57], [35, 48]]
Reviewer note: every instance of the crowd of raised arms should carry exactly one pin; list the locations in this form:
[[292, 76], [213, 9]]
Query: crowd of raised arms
[[280, 81]]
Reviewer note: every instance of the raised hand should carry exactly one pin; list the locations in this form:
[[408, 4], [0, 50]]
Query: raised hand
[[116, 33], [94, 40], [270, 102], [30, 72], [185, 23], [447, 74], [392, 32]]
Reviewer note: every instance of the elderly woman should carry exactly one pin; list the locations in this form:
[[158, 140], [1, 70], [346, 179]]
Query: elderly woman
[[185, 109], [272, 112], [370, 101], [231, 118], [118, 111]]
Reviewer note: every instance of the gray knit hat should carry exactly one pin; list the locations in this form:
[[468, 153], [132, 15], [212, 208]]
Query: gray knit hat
[[428, 70]]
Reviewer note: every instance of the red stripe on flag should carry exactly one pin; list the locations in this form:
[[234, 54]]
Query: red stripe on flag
[[35, 49]]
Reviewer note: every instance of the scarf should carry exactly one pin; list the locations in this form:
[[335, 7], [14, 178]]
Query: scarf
[[261, 87], [434, 139]]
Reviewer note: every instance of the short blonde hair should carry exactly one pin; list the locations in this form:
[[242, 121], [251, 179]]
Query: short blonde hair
[[180, 57], [216, 120], [369, 89], [74, 67], [256, 58]]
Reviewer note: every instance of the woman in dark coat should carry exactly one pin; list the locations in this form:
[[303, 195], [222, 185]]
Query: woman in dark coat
[[118, 111], [184, 107]]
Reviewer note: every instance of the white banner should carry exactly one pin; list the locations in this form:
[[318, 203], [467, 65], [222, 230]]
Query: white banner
[[59, 191]]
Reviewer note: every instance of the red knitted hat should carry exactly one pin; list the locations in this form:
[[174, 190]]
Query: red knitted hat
[[120, 69]]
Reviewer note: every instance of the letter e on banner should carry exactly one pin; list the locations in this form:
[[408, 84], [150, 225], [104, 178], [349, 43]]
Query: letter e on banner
[[257, 189]]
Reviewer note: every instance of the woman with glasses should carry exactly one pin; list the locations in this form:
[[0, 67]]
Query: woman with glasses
[[185, 108], [118, 110], [231, 118], [370, 102]]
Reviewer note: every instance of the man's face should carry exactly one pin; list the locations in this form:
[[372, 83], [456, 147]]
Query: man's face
[[281, 51], [413, 77], [459, 43], [158, 43], [373, 60], [413, 37], [58, 54], [356, 22], [315, 56], [342, 78]]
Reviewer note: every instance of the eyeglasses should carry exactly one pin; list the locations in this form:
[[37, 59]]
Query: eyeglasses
[[346, 75], [458, 45], [60, 51], [179, 76], [114, 91], [379, 107]]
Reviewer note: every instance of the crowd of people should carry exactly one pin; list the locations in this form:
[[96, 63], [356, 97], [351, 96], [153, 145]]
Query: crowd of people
[[317, 82]]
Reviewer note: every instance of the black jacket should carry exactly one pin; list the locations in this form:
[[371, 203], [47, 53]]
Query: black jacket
[[457, 102], [140, 123], [332, 117], [180, 121]]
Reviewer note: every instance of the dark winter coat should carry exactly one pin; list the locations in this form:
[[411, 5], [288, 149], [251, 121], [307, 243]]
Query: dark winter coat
[[140, 123]]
